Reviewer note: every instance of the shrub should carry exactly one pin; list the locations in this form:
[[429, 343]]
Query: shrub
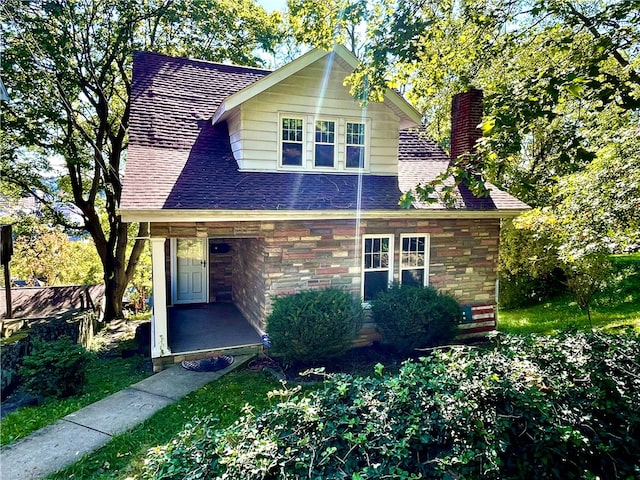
[[523, 407], [313, 326], [411, 317], [523, 290], [55, 369]]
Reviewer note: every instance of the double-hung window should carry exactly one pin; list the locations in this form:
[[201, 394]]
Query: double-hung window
[[292, 145], [377, 264], [325, 143], [355, 144], [414, 260]]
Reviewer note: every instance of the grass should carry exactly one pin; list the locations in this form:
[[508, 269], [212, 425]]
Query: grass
[[124, 455], [563, 313], [105, 377], [616, 307], [107, 374]]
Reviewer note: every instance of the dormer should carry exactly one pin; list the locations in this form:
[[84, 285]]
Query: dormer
[[302, 118]]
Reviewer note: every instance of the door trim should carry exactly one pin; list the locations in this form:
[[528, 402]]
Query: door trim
[[174, 271]]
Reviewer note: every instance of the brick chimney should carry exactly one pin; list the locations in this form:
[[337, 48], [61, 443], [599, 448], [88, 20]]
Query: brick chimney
[[466, 115]]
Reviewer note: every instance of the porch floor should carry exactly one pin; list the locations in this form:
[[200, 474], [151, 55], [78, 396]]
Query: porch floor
[[209, 327]]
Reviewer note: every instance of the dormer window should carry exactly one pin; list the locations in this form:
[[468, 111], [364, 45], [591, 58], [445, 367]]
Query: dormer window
[[325, 143], [355, 144], [319, 143], [292, 141]]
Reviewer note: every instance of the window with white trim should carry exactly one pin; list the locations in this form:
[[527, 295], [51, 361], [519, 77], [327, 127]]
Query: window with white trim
[[355, 145], [414, 260], [325, 144], [377, 265], [292, 145]]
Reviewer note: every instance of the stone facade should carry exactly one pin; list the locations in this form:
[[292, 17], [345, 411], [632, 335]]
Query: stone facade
[[281, 258]]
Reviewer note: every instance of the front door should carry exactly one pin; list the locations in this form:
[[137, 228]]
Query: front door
[[190, 262]]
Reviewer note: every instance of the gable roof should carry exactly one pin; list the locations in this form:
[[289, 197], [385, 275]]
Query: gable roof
[[180, 166], [408, 115]]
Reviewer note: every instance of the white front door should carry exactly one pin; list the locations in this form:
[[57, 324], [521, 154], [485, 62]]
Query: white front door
[[190, 278]]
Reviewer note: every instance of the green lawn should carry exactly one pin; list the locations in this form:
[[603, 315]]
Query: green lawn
[[225, 398], [617, 306], [563, 313]]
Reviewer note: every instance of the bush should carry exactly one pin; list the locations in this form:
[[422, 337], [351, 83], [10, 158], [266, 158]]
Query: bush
[[313, 326], [522, 290], [523, 407], [411, 317], [55, 369]]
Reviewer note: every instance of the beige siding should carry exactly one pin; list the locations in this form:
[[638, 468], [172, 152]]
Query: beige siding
[[255, 132]]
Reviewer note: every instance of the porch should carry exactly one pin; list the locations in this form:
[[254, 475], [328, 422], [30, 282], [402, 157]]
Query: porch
[[209, 327]]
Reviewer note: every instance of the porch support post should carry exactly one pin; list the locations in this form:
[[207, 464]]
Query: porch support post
[[159, 323]]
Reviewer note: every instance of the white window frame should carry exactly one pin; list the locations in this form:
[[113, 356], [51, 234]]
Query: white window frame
[[364, 270], [336, 139], [425, 267], [364, 145], [281, 141]]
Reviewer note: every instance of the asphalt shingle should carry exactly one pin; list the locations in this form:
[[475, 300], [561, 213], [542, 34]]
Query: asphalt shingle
[[178, 161]]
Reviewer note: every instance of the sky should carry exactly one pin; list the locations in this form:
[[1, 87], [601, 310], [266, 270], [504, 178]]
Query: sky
[[271, 5]]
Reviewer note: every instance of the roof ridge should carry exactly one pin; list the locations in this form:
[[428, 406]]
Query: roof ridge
[[198, 60]]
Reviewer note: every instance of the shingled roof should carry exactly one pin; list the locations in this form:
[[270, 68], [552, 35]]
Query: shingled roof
[[177, 161]]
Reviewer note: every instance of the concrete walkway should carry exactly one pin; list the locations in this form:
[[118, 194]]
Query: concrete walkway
[[66, 441]]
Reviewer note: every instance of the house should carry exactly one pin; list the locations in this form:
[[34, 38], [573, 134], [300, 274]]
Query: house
[[257, 184]]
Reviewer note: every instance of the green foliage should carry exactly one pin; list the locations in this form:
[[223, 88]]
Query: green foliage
[[55, 369], [67, 66], [410, 317], [314, 325], [524, 407], [48, 255], [105, 376], [616, 306], [134, 454]]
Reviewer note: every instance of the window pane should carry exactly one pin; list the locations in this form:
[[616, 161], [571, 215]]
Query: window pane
[[291, 153], [355, 157], [413, 277], [374, 283], [324, 155], [325, 131], [368, 245], [355, 133], [292, 129]]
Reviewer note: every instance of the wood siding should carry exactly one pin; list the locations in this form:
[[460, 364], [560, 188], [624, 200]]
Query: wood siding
[[255, 132]]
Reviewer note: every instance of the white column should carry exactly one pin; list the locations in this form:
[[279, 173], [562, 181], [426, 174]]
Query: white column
[[159, 321]]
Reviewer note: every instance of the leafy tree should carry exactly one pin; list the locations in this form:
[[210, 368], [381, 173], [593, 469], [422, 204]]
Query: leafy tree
[[67, 65], [322, 24]]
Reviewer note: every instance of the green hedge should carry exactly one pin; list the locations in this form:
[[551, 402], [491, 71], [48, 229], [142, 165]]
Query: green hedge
[[410, 317], [525, 407], [314, 325]]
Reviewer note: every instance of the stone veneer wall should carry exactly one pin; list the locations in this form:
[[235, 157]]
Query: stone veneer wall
[[248, 280], [281, 258], [221, 270]]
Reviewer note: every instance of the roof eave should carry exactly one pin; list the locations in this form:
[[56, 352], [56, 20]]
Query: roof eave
[[164, 215]]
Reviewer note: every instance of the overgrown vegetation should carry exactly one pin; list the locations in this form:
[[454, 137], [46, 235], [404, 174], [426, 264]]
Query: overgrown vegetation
[[617, 304], [523, 407], [410, 317], [107, 372], [55, 369], [314, 325]]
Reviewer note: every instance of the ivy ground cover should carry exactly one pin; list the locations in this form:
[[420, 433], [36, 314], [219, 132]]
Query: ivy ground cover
[[529, 406]]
